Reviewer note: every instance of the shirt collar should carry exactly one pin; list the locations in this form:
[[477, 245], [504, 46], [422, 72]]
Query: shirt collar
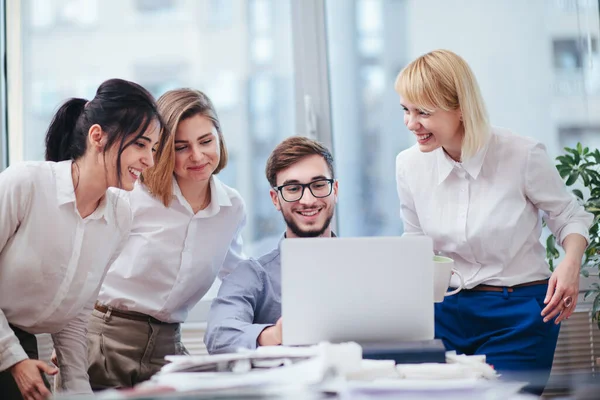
[[104, 210], [218, 197], [65, 192], [472, 166]]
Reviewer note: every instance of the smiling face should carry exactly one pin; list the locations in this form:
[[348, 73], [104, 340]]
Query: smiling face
[[309, 216], [197, 149], [439, 128], [135, 158]]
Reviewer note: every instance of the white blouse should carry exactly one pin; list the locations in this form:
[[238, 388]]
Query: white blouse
[[173, 255], [52, 262], [485, 212]]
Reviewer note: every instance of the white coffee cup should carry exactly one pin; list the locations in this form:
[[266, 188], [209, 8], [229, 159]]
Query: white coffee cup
[[443, 268]]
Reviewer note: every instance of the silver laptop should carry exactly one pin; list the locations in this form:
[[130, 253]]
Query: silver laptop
[[368, 290]]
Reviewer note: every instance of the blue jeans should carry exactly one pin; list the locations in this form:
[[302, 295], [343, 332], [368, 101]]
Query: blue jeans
[[506, 327]]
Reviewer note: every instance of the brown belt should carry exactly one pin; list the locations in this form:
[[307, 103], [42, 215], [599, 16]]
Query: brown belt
[[131, 315], [490, 288]]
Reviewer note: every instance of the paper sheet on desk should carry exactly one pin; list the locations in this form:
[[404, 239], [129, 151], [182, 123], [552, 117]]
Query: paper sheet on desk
[[301, 367], [427, 389], [305, 373]]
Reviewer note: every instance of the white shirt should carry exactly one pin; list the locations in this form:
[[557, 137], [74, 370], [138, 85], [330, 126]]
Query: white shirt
[[52, 262], [173, 256], [484, 212]]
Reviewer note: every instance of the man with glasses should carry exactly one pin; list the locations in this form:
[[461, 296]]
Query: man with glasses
[[247, 310]]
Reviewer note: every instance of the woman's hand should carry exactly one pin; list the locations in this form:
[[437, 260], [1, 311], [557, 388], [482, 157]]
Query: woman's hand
[[28, 375], [563, 289]]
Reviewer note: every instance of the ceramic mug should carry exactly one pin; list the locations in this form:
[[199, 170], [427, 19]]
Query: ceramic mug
[[443, 270]]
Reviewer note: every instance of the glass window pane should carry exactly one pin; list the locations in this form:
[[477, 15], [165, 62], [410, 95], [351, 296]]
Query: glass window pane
[[71, 46], [537, 63]]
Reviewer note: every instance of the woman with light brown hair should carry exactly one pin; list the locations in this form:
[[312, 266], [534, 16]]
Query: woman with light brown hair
[[186, 231], [477, 191]]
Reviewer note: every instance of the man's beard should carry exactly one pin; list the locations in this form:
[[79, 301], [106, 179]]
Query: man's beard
[[289, 221]]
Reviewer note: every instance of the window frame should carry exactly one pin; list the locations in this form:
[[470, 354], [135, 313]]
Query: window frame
[[3, 81], [14, 81]]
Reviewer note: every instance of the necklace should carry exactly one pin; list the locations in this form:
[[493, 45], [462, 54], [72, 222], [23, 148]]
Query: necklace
[[205, 202]]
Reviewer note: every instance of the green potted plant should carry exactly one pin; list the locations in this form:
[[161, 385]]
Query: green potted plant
[[580, 167]]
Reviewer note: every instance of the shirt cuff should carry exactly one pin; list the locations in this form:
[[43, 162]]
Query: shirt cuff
[[574, 228], [12, 355], [252, 333]]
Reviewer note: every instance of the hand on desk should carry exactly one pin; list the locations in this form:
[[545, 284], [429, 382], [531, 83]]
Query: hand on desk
[[271, 336]]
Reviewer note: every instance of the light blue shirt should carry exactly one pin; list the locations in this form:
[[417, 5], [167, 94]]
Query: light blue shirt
[[249, 301]]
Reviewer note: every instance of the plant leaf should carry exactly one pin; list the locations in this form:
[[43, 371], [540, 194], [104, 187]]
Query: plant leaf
[[576, 156], [565, 160], [588, 293], [564, 171], [572, 178], [578, 193], [586, 178], [596, 305]]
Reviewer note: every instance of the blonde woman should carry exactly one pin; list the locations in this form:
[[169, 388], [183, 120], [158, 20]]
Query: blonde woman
[[477, 190], [186, 230]]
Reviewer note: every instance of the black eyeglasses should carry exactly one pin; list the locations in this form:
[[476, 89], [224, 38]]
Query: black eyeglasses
[[294, 191]]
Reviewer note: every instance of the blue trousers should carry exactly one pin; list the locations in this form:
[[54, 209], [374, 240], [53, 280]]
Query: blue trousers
[[506, 327]]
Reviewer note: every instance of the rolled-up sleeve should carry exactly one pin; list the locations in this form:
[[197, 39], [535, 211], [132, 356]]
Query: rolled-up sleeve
[[232, 313], [408, 212], [547, 191], [11, 351]]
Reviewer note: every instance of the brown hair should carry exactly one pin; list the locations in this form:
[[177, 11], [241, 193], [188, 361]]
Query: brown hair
[[292, 150], [175, 106]]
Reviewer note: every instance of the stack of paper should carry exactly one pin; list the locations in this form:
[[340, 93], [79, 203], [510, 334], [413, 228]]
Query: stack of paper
[[267, 369]]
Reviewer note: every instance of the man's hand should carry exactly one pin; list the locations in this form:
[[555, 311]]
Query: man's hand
[[54, 358], [28, 375], [271, 336]]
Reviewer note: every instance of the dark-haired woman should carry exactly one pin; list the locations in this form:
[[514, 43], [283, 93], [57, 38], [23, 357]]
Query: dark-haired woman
[[61, 229]]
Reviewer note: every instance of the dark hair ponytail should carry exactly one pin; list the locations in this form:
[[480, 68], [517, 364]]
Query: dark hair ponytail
[[124, 110], [63, 142]]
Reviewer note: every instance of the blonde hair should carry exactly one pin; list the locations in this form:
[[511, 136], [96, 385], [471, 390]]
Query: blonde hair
[[175, 106], [443, 80]]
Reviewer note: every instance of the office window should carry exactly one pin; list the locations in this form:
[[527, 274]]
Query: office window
[[519, 52], [252, 90], [574, 6], [220, 13], [571, 54], [569, 136], [154, 6], [55, 14]]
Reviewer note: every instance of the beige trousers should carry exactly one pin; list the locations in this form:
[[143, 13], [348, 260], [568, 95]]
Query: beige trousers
[[124, 352]]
